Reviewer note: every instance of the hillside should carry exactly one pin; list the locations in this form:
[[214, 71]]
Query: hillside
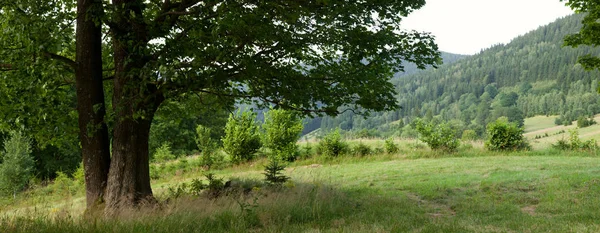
[[532, 75]]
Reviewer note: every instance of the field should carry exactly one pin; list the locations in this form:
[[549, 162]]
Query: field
[[544, 127], [415, 190]]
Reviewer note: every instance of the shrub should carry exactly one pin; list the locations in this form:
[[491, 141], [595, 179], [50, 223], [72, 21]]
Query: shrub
[[241, 140], [438, 136], [282, 131], [163, 153], [17, 164], [361, 149], [79, 176], [502, 135], [390, 146], [63, 184], [332, 144], [215, 186], [469, 135], [307, 151], [583, 122], [575, 142]]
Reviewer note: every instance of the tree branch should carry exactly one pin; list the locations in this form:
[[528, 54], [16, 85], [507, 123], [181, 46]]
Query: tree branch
[[63, 59], [6, 67]]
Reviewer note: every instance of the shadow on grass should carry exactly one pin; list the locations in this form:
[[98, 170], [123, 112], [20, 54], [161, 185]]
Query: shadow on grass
[[295, 207]]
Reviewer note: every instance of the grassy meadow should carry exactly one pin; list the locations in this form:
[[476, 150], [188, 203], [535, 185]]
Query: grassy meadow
[[413, 190], [545, 128]]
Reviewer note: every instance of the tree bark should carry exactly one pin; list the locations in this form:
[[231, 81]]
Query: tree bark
[[129, 176], [93, 131], [135, 103]]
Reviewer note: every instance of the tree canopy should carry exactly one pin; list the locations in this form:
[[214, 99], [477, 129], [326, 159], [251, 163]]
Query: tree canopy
[[124, 58], [590, 31]]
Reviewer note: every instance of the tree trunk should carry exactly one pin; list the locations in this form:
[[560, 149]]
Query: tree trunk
[[129, 176], [93, 131], [135, 105]]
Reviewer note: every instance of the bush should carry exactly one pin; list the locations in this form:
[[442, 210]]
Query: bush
[[502, 135], [390, 146], [306, 151], [575, 142], [63, 184], [583, 122], [361, 149], [79, 176], [241, 140], [332, 144], [163, 153], [282, 131], [438, 136], [469, 135], [17, 164]]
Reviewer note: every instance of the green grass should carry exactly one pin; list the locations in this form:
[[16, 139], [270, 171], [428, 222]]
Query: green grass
[[469, 191], [550, 133], [414, 190], [539, 123]]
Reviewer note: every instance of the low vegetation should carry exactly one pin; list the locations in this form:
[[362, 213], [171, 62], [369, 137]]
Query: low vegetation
[[504, 135], [337, 184]]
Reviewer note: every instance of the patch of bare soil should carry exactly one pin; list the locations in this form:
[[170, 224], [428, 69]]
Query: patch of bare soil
[[440, 209], [529, 210]]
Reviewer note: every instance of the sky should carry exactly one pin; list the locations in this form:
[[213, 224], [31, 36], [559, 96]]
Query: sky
[[468, 26]]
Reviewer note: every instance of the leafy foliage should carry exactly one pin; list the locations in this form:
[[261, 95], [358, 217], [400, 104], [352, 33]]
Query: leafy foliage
[[332, 145], [209, 147], [469, 135], [575, 143], [503, 135], [314, 56], [361, 149], [588, 34], [390, 146], [176, 122], [583, 122], [17, 164], [439, 136], [242, 139], [282, 131], [163, 153]]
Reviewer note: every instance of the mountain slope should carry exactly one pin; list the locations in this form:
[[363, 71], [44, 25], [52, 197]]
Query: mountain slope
[[532, 75], [409, 69]]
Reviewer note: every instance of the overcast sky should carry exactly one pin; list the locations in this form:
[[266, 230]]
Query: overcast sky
[[467, 26]]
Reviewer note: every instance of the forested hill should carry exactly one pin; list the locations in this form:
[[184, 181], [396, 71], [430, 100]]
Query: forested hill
[[532, 75], [409, 69]]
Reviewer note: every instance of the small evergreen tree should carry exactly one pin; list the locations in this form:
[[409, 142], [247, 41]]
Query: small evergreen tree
[[241, 140], [18, 165], [282, 131], [208, 146], [273, 173]]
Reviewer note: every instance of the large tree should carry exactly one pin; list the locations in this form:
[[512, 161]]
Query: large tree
[[315, 56]]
